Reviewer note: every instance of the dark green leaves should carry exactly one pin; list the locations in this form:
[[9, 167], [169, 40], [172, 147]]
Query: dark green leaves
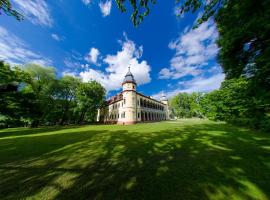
[[7, 8]]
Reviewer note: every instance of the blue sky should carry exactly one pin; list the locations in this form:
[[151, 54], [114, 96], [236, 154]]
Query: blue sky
[[93, 40]]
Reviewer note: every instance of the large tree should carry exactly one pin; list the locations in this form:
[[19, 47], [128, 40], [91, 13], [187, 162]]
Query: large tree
[[66, 94], [42, 86], [89, 96], [186, 105], [14, 107]]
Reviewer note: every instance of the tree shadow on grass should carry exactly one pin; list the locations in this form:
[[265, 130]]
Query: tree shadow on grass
[[206, 161], [28, 131]]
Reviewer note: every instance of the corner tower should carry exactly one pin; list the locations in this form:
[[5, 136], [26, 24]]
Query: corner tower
[[129, 99], [129, 82]]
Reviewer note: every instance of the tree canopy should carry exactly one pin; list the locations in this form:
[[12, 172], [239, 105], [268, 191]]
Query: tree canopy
[[32, 95]]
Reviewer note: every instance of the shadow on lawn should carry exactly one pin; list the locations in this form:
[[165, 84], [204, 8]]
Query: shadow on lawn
[[206, 161], [28, 131]]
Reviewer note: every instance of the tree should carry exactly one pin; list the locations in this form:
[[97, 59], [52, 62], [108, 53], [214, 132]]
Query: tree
[[13, 103], [66, 93], [89, 96], [32, 95], [187, 105], [7, 8], [235, 102], [41, 86]]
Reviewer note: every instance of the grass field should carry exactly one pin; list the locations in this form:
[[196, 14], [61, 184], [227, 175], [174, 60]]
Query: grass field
[[187, 159]]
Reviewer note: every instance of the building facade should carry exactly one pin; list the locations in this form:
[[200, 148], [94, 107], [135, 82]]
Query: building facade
[[130, 106]]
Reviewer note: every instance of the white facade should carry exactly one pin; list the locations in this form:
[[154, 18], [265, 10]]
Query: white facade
[[130, 106]]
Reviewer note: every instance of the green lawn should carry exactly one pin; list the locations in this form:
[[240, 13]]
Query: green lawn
[[187, 159]]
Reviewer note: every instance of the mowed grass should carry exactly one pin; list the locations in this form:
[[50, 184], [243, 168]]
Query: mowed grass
[[185, 159]]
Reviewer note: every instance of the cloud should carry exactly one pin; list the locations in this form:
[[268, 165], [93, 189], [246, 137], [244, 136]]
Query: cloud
[[57, 37], [117, 66], [70, 63], [36, 11], [14, 51], [68, 73], [86, 2], [105, 7], [194, 49], [92, 56], [199, 84]]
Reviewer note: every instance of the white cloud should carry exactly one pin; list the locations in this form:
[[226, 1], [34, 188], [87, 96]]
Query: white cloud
[[194, 48], [200, 84], [92, 56], [117, 67], [86, 2], [105, 7], [203, 84], [57, 37], [68, 73], [14, 51], [37, 11], [70, 63]]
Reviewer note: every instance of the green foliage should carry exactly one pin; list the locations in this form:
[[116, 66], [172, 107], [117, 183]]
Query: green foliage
[[6, 6], [32, 95], [89, 96], [235, 102], [140, 9], [186, 105]]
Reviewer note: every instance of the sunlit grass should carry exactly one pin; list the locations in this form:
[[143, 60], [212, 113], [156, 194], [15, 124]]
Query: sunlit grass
[[185, 159]]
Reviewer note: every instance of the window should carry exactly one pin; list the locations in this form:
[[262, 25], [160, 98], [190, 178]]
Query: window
[[124, 101], [138, 115], [118, 116], [123, 115], [133, 87], [138, 102]]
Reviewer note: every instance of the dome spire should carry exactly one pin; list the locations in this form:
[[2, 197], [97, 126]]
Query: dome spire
[[129, 78]]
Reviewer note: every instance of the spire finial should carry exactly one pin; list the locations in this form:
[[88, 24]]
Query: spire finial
[[129, 67]]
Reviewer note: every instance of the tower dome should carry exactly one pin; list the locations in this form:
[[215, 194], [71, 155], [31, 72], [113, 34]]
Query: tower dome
[[129, 78], [163, 97]]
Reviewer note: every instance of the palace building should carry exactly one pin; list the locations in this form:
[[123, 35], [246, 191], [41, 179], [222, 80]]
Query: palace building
[[130, 106]]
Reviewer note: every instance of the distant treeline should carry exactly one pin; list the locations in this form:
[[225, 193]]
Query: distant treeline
[[32, 95], [237, 102]]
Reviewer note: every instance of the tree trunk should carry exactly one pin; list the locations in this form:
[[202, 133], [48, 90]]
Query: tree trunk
[[34, 123]]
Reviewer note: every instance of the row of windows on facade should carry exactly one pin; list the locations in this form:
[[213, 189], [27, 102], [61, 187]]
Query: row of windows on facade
[[144, 115], [142, 103]]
